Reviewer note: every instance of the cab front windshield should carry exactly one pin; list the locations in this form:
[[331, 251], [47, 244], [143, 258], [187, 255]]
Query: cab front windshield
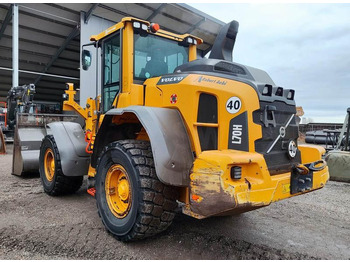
[[156, 56]]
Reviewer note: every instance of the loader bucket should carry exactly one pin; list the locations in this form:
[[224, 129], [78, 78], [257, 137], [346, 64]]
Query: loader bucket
[[2, 143], [339, 165], [29, 132]]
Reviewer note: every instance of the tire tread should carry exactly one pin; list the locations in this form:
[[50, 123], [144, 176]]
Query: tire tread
[[63, 184], [158, 201]]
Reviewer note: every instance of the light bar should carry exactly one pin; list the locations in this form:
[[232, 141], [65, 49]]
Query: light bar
[[136, 25]]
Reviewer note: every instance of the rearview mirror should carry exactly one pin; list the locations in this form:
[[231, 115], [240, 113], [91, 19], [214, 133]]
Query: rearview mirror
[[86, 59]]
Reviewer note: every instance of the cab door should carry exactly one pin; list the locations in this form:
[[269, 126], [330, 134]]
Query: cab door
[[111, 70]]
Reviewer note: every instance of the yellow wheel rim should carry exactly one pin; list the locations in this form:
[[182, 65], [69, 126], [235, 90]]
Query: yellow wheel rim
[[49, 164], [118, 191]]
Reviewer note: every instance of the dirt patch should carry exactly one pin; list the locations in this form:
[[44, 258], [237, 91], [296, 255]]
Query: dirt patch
[[34, 225]]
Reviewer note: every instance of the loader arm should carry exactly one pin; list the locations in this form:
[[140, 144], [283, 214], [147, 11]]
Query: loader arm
[[88, 114]]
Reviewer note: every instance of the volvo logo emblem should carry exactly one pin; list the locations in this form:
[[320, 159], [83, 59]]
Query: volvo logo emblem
[[282, 134], [282, 131], [292, 149]]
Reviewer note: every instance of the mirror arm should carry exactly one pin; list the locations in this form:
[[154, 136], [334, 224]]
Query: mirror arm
[[90, 44]]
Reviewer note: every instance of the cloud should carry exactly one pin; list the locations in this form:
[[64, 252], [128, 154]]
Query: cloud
[[302, 46]]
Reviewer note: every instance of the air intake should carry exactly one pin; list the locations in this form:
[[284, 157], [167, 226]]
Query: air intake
[[207, 116], [224, 42]]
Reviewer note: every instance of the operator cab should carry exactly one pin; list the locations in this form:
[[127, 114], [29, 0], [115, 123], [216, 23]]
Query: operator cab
[[146, 51]]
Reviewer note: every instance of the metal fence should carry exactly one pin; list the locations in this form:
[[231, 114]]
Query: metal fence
[[303, 128]]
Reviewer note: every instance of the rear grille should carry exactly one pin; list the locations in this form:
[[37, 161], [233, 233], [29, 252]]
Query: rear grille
[[208, 137], [272, 116], [207, 116], [229, 67]]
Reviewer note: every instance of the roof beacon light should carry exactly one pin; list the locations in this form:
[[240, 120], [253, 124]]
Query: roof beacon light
[[154, 27]]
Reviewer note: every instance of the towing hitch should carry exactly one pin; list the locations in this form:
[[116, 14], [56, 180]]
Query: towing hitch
[[302, 176]]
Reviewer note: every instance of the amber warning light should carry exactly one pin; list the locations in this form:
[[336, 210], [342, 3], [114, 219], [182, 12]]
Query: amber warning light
[[154, 27]]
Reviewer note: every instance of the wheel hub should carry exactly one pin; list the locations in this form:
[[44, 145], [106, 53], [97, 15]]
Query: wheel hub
[[118, 191], [123, 190], [49, 164]]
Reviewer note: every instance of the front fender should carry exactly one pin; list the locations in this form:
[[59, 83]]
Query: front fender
[[70, 141]]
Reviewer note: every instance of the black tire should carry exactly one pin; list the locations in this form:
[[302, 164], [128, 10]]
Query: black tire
[[153, 204], [60, 184]]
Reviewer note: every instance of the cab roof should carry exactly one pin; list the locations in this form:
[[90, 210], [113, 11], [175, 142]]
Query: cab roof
[[160, 32]]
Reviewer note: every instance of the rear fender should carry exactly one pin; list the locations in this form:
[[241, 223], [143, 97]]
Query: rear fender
[[70, 141], [170, 143]]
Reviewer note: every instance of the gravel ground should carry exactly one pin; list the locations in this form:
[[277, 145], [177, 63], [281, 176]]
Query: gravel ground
[[34, 225]]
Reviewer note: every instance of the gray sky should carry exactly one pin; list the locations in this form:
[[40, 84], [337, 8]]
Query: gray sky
[[305, 47]]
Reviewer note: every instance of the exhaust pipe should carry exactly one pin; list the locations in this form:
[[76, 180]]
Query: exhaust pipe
[[224, 42]]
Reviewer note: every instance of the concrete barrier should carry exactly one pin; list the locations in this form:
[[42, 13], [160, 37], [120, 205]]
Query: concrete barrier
[[339, 165]]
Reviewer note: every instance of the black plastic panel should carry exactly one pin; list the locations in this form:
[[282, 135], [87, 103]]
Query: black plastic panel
[[207, 109], [229, 67], [207, 113], [238, 133], [277, 159], [208, 137]]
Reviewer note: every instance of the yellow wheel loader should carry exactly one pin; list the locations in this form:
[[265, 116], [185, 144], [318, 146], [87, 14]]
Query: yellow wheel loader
[[210, 135]]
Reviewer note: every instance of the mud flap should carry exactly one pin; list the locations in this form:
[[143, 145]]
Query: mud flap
[[2, 143], [70, 140]]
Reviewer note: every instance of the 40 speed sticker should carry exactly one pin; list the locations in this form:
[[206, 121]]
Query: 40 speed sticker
[[233, 105]]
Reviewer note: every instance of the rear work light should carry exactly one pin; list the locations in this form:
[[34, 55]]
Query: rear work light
[[267, 91], [189, 41], [279, 91], [236, 172], [290, 95]]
